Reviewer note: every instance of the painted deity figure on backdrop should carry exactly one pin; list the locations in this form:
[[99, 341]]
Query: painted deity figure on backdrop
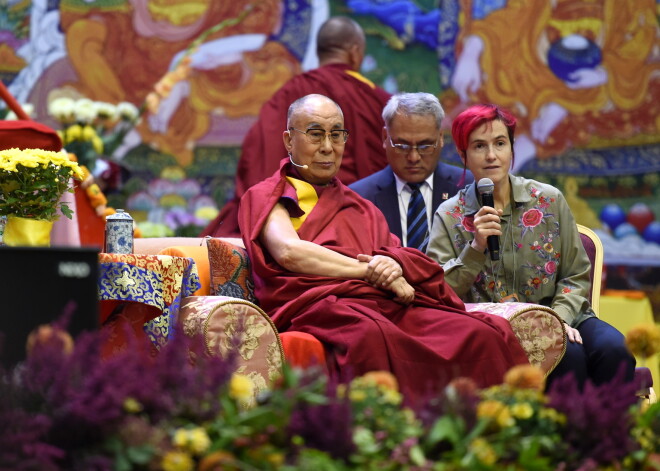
[[576, 73], [119, 50]]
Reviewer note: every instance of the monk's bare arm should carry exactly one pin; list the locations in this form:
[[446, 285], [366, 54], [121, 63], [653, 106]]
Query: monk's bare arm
[[301, 256]]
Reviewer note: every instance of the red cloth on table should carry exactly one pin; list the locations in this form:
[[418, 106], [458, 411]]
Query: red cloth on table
[[362, 104], [424, 345]]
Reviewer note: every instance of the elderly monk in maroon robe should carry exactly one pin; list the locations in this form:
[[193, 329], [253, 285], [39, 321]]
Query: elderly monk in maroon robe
[[340, 47], [324, 262]]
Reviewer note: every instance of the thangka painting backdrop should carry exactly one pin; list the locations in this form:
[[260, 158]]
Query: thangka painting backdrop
[[583, 78]]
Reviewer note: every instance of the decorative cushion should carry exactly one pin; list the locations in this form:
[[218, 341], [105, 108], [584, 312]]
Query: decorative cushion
[[539, 329], [226, 322], [303, 350], [201, 258], [230, 270]]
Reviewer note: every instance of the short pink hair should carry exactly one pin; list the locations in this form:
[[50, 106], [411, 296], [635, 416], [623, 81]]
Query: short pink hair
[[473, 117]]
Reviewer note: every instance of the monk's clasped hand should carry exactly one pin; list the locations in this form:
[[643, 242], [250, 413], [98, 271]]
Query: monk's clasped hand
[[403, 292], [381, 270]]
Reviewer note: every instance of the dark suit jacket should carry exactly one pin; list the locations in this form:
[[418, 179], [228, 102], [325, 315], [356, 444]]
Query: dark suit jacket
[[380, 189]]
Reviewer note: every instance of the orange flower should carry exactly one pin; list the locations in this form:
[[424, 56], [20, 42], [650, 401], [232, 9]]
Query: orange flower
[[644, 340], [218, 461], [46, 334], [464, 387], [382, 378], [525, 377]]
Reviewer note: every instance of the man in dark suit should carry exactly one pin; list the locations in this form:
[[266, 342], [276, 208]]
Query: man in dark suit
[[412, 140]]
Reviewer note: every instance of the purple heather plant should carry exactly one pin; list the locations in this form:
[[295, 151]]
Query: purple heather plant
[[599, 420], [59, 409], [325, 427]]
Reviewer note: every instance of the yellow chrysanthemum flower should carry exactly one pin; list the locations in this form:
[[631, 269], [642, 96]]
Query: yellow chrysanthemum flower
[[483, 451], [489, 408], [392, 397], [177, 461], [553, 415], [180, 438], [97, 144], [522, 410], [88, 133], [132, 406], [42, 173], [496, 411], [73, 133], [644, 340], [276, 459], [195, 441], [383, 379], [198, 441], [241, 388], [357, 395]]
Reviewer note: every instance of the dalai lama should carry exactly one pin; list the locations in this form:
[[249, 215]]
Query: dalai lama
[[340, 48]]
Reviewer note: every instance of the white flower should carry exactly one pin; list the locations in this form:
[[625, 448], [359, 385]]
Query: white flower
[[85, 110], [27, 107], [62, 109], [106, 111], [127, 111]]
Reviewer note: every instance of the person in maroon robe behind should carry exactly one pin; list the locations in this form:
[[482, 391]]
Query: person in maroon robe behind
[[324, 262], [340, 48]]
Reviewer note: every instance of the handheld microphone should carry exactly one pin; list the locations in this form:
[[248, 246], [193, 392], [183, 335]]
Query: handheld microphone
[[485, 188], [293, 163]]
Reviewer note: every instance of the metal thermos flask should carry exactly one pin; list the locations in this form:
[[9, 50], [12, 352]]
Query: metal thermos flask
[[118, 233]]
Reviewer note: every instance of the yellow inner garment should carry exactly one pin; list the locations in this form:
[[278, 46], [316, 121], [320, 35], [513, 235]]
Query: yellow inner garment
[[307, 199]]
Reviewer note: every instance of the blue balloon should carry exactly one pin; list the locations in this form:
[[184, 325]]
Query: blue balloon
[[652, 232], [613, 215], [624, 230]]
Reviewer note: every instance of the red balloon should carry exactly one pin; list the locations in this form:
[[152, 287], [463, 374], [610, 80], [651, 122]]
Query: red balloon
[[640, 216]]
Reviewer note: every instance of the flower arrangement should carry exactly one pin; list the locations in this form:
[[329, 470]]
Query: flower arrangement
[[32, 181], [91, 129], [66, 407]]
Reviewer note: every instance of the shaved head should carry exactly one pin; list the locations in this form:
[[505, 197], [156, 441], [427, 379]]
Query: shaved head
[[338, 34], [300, 103]]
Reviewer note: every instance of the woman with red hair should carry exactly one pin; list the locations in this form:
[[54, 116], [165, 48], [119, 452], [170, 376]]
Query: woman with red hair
[[540, 258]]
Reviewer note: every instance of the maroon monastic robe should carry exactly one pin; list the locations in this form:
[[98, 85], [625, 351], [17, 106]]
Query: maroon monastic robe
[[424, 344], [263, 148]]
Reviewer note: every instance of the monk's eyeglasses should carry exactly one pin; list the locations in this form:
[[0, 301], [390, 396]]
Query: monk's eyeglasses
[[405, 149], [317, 136]]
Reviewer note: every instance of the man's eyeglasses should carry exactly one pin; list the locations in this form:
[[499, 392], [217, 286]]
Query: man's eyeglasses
[[317, 136], [405, 149]]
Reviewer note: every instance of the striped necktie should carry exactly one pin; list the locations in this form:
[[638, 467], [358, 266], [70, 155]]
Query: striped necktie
[[418, 226]]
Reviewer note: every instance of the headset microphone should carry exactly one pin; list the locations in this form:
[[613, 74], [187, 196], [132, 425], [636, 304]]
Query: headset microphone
[[301, 166]]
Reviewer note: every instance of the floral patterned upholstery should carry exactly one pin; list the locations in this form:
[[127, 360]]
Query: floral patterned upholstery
[[226, 322], [538, 328], [230, 270]]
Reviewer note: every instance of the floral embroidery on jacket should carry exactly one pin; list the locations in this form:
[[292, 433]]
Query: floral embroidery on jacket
[[531, 250]]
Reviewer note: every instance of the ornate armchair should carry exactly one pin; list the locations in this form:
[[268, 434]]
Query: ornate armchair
[[594, 248]]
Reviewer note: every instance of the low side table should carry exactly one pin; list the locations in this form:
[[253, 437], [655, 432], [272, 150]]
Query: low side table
[[142, 292]]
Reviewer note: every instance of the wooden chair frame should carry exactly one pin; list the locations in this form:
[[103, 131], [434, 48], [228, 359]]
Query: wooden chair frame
[[596, 267]]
